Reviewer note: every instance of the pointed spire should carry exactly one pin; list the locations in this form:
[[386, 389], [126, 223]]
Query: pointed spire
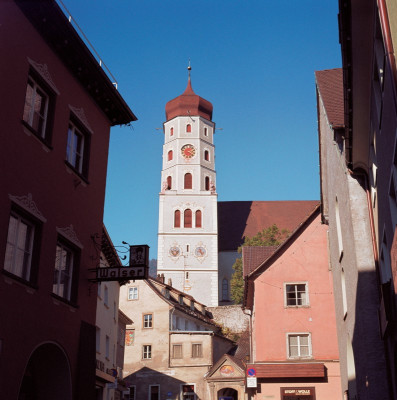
[[189, 89]]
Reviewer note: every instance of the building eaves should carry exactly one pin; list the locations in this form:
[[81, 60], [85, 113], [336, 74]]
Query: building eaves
[[52, 24]]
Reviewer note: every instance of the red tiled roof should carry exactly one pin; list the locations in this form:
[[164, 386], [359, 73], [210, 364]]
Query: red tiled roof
[[240, 219], [253, 256], [330, 86]]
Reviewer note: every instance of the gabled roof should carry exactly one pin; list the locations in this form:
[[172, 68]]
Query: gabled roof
[[250, 278], [160, 288], [240, 219], [330, 87], [253, 256]]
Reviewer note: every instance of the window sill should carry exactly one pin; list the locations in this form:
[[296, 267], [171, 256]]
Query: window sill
[[61, 300], [10, 278], [31, 132], [71, 169]]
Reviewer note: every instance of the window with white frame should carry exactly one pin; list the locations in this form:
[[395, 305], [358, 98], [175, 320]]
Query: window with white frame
[[154, 392], [188, 391], [148, 320], [299, 345], [132, 393], [296, 294], [77, 148], [176, 351], [197, 350], [20, 245], [38, 107], [63, 273], [133, 293], [147, 351]]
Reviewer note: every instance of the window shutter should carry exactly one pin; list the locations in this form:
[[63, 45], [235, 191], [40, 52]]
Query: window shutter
[[198, 219], [188, 218], [188, 181], [177, 219]]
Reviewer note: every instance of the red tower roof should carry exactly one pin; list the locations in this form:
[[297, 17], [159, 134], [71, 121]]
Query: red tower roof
[[188, 104]]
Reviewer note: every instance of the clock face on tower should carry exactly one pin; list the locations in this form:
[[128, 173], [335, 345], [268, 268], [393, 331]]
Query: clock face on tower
[[188, 151]]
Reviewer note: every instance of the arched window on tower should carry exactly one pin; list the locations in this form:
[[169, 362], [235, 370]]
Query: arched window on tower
[[188, 181], [172, 131], [225, 289], [188, 128], [170, 155], [177, 219], [205, 131], [198, 219], [207, 183], [169, 182], [187, 218], [206, 155]]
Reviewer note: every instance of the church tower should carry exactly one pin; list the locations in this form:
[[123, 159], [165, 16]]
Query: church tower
[[188, 223]]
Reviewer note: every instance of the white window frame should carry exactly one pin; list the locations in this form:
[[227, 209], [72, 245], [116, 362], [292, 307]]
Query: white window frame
[[75, 156], [183, 394], [299, 335], [180, 355], [132, 394], [30, 113], [150, 392], [13, 263], [57, 285], [146, 352], [132, 294], [307, 304], [200, 353], [147, 323]]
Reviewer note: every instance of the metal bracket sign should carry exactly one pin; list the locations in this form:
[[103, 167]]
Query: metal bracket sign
[[138, 267], [120, 273]]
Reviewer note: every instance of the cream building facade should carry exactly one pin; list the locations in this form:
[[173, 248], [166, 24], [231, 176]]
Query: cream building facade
[[171, 345]]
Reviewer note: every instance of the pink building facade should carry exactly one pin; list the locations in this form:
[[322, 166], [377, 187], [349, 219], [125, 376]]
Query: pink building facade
[[294, 349]]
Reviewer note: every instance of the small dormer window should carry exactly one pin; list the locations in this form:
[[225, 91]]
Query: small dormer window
[[180, 299], [188, 128]]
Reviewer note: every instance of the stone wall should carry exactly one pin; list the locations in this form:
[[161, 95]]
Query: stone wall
[[231, 317]]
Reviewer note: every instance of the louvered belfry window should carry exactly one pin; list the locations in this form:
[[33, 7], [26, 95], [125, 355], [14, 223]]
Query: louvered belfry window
[[188, 181], [177, 219], [198, 219], [188, 218]]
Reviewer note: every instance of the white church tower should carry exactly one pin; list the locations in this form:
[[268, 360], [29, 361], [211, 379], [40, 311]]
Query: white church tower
[[188, 223]]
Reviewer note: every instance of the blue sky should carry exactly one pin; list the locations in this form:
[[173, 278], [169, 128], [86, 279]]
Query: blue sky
[[253, 59]]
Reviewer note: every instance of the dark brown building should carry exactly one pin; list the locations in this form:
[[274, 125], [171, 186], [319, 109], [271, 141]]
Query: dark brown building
[[57, 107]]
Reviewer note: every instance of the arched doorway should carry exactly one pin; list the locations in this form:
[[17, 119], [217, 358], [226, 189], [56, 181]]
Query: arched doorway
[[47, 375], [227, 394]]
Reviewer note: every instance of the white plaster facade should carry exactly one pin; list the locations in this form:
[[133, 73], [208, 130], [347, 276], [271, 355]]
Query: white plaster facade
[[189, 256]]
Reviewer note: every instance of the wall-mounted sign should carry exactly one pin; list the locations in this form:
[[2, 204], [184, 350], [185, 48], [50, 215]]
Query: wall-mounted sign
[[138, 267], [121, 273], [306, 393], [252, 382], [251, 372]]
